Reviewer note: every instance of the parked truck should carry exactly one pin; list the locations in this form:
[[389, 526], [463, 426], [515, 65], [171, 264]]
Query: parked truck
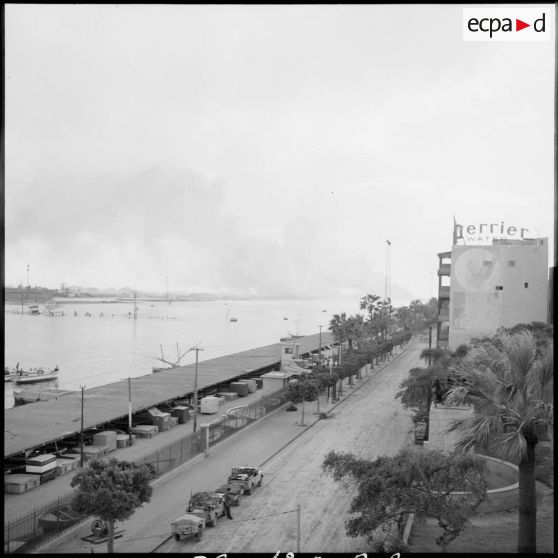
[[209, 506], [234, 492], [188, 526], [247, 477]]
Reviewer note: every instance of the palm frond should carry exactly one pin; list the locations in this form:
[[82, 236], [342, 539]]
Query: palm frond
[[510, 446]]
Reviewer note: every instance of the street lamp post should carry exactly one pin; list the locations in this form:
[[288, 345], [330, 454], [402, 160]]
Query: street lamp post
[[320, 351], [196, 390], [130, 410], [81, 430]]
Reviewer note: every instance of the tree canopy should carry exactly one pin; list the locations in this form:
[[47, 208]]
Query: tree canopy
[[112, 490], [419, 482]]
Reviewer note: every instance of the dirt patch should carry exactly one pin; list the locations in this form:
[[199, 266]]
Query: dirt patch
[[491, 533]]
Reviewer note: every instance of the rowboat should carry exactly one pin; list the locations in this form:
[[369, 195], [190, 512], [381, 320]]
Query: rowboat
[[58, 520]]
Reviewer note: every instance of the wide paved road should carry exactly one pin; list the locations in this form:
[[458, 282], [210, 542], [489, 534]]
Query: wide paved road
[[369, 423]]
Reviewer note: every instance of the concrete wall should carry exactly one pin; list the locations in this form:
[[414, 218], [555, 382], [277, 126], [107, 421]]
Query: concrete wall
[[503, 475], [440, 418], [505, 497], [488, 288]]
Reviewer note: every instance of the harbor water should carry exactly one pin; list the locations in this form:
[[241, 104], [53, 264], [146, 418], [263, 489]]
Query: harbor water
[[96, 343]]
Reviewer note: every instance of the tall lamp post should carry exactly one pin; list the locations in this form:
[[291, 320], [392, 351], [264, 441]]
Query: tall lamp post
[[81, 430], [320, 351], [130, 410], [196, 390]]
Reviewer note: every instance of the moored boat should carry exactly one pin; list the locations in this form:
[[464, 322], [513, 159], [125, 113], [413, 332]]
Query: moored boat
[[34, 375], [58, 520], [11, 373]]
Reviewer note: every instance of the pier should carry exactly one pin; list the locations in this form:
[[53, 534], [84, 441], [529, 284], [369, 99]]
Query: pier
[[34, 425]]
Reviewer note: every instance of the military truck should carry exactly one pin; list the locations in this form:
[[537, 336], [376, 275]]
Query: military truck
[[247, 477], [234, 492], [188, 526], [210, 506]]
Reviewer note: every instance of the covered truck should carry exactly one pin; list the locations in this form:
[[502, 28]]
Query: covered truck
[[210, 506], [188, 525], [234, 492], [247, 477]]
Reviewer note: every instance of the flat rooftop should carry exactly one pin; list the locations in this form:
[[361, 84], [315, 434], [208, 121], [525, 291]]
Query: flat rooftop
[[32, 425]]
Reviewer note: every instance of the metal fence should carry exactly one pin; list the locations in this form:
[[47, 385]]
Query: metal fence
[[25, 532], [175, 454], [21, 534], [243, 415]]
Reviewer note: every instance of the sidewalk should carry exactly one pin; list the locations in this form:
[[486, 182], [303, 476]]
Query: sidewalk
[[256, 445]]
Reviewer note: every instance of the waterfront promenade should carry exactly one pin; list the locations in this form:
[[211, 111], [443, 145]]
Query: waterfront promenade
[[32, 425], [367, 420]]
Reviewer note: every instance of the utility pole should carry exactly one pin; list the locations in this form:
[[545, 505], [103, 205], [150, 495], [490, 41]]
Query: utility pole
[[320, 352], [298, 528], [387, 296], [339, 367], [135, 307], [81, 430], [130, 409], [196, 390], [28, 284]]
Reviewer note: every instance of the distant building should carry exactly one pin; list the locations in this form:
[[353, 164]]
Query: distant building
[[485, 287], [290, 348]]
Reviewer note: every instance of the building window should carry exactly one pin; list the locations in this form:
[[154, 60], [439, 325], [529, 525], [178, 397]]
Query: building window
[[486, 263], [499, 288], [511, 263], [526, 285], [288, 350]]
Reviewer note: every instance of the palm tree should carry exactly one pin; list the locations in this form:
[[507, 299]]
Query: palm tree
[[510, 387], [355, 329], [338, 326]]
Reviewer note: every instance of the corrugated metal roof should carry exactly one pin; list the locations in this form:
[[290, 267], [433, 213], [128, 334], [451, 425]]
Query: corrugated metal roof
[[32, 425]]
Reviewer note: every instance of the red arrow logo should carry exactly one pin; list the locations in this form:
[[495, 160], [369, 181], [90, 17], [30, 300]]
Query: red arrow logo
[[519, 25]]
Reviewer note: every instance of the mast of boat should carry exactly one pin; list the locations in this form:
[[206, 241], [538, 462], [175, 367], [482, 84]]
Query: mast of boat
[[135, 307]]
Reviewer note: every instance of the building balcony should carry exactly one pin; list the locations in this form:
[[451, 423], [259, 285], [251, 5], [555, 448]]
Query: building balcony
[[444, 292], [443, 316], [444, 269]]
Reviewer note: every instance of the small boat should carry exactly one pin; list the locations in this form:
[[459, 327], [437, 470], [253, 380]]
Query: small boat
[[10, 374], [58, 519], [227, 316], [34, 375], [285, 318], [33, 394]]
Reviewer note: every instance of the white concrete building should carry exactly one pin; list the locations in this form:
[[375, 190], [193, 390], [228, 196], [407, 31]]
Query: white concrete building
[[497, 285]]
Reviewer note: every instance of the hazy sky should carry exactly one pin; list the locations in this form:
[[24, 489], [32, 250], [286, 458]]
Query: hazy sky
[[265, 150]]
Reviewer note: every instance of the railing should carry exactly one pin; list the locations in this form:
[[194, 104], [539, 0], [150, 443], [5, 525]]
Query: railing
[[23, 533]]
